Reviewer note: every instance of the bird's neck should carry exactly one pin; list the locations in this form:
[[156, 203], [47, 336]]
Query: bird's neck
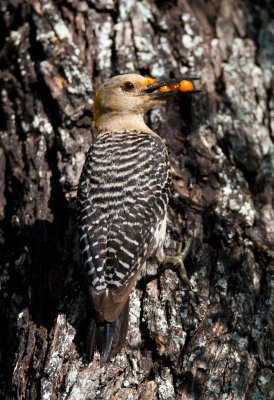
[[115, 122]]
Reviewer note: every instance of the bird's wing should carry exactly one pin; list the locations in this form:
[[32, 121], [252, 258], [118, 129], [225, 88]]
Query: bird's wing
[[122, 199]]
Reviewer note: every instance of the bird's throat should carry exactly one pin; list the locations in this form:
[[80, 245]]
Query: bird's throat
[[115, 122]]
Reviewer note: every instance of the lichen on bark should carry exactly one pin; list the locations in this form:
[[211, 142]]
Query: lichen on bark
[[214, 341]]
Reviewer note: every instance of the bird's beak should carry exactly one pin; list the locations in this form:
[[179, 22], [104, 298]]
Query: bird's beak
[[159, 89]]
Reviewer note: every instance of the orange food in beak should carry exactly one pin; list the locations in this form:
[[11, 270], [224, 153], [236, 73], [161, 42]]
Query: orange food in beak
[[164, 89], [183, 86], [186, 86], [174, 86]]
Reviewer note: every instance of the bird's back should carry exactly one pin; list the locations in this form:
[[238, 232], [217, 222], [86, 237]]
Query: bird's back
[[122, 200]]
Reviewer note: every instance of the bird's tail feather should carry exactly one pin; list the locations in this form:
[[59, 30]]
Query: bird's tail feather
[[108, 337]]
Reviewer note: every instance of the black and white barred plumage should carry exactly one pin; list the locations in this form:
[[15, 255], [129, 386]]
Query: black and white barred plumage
[[122, 203]]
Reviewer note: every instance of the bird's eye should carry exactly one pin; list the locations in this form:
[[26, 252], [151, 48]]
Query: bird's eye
[[128, 86]]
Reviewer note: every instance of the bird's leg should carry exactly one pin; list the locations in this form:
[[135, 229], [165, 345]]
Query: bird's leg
[[176, 262]]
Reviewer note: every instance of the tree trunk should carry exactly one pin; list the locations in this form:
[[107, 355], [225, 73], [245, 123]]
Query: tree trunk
[[214, 341]]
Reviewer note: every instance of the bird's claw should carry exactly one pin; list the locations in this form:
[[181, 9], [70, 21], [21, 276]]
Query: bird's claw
[[177, 262]]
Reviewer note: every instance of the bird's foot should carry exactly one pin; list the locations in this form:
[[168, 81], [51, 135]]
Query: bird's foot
[[176, 263]]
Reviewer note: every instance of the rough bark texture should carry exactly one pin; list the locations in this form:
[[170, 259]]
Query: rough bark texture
[[212, 342]]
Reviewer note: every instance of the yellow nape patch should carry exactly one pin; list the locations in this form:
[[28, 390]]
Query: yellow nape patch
[[96, 108], [149, 81]]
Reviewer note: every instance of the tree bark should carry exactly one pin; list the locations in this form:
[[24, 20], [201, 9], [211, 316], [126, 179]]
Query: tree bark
[[214, 341]]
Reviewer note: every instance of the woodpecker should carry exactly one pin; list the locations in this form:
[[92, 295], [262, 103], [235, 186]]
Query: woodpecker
[[121, 203]]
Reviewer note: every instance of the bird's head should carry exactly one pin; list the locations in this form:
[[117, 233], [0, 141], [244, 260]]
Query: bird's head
[[122, 101]]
